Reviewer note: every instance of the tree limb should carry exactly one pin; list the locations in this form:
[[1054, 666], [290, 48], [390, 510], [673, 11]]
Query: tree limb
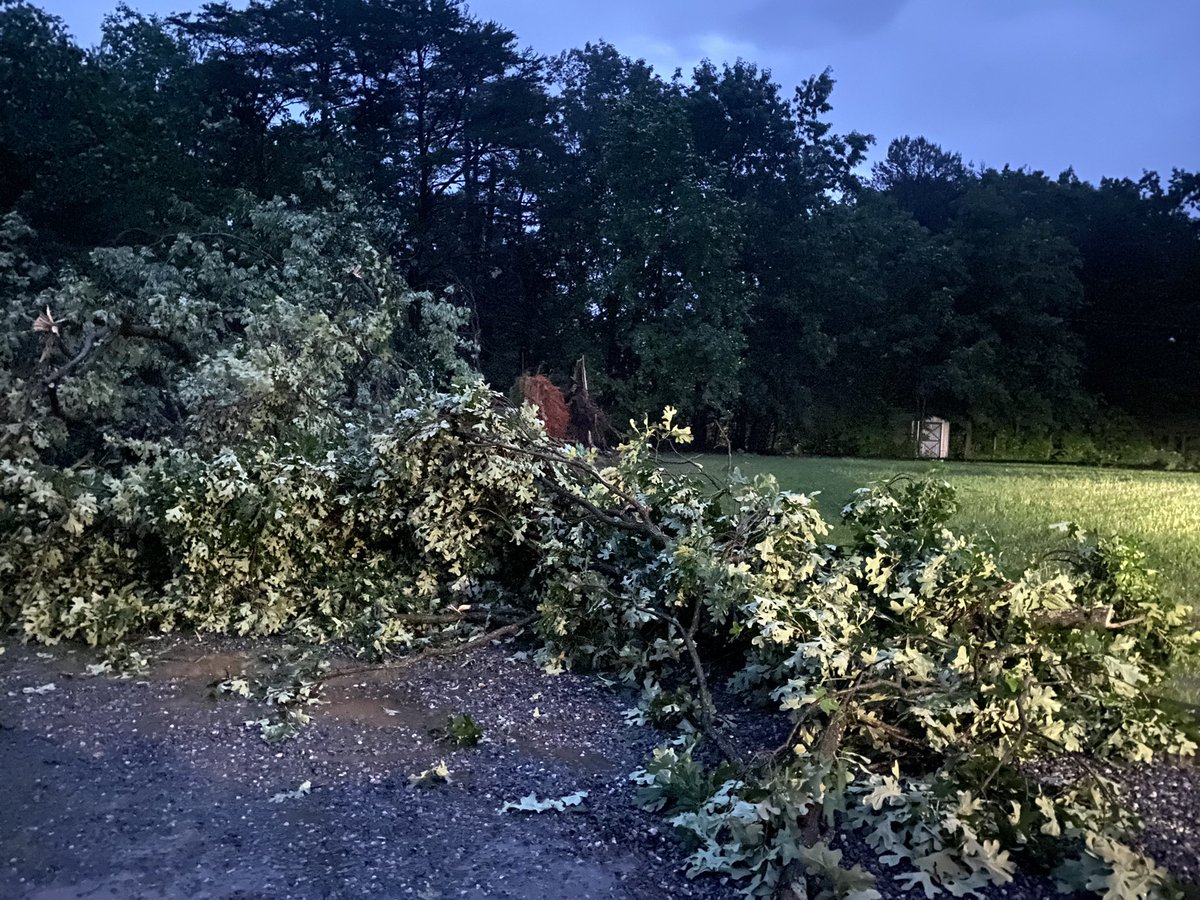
[[433, 652], [131, 329], [93, 342]]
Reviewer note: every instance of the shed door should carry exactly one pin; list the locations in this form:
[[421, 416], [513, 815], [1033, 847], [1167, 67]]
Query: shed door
[[931, 439]]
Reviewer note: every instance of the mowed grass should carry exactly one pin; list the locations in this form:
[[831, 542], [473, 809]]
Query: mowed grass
[[1012, 506]]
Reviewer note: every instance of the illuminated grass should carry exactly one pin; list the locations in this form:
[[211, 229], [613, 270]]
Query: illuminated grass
[[1013, 505]]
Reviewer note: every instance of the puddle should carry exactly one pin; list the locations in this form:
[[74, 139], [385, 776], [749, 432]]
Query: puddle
[[62, 659], [206, 667], [579, 759], [374, 711]]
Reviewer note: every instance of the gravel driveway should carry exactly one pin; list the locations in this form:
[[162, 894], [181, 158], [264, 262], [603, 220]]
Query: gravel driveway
[[151, 788]]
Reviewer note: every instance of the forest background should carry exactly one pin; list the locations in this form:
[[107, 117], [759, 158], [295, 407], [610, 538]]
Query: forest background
[[706, 240]]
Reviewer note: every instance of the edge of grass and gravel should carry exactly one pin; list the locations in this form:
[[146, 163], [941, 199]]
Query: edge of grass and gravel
[[1013, 506]]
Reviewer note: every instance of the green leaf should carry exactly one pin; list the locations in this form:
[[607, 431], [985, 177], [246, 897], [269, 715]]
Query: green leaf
[[531, 803]]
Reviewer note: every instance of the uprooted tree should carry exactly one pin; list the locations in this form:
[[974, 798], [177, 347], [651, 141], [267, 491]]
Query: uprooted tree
[[573, 417], [256, 429]]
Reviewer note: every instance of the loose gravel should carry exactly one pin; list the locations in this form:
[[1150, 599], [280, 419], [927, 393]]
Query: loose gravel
[[152, 788]]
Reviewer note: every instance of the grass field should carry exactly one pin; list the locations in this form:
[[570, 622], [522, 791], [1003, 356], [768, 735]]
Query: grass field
[[1013, 506]]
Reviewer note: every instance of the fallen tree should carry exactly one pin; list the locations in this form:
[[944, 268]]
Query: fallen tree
[[322, 465]]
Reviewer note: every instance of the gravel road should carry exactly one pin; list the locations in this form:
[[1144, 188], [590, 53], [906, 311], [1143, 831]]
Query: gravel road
[[150, 787]]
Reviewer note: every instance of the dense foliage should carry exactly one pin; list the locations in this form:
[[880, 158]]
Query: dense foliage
[[929, 697], [706, 240], [184, 430], [928, 694], [231, 412], [255, 429]]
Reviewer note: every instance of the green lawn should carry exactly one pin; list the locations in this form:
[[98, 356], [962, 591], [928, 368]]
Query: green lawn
[[1013, 506]]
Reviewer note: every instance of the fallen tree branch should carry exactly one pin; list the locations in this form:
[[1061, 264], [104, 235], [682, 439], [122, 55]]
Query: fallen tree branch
[[131, 329], [597, 513], [792, 884], [647, 524], [708, 708], [93, 342], [96, 340], [1011, 749], [451, 618], [1098, 617], [433, 652]]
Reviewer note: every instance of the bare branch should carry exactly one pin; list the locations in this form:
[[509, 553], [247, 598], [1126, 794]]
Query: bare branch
[[435, 652], [131, 329], [94, 341]]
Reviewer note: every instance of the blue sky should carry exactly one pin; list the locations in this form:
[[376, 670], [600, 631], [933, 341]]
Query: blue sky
[[1111, 87]]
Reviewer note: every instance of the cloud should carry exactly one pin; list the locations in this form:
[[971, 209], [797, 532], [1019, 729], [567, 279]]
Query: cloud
[[720, 49], [1105, 86], [685, 54], [1101, 87], [806, 24]]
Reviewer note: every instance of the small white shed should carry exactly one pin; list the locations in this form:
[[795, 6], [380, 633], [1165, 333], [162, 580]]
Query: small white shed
[[933, 438]]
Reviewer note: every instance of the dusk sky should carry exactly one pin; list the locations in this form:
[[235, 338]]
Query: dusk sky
[[1110, 87]]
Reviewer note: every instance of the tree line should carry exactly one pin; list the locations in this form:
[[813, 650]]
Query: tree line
[[707, 240]]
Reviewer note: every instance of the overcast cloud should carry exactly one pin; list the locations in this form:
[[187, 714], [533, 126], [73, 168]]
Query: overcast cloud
[[1111, 87]]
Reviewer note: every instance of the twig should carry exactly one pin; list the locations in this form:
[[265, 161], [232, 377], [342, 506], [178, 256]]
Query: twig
[[1011, 748], [692, 461], [432, 652], [648, 526], [707, 707], [92, 342]]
